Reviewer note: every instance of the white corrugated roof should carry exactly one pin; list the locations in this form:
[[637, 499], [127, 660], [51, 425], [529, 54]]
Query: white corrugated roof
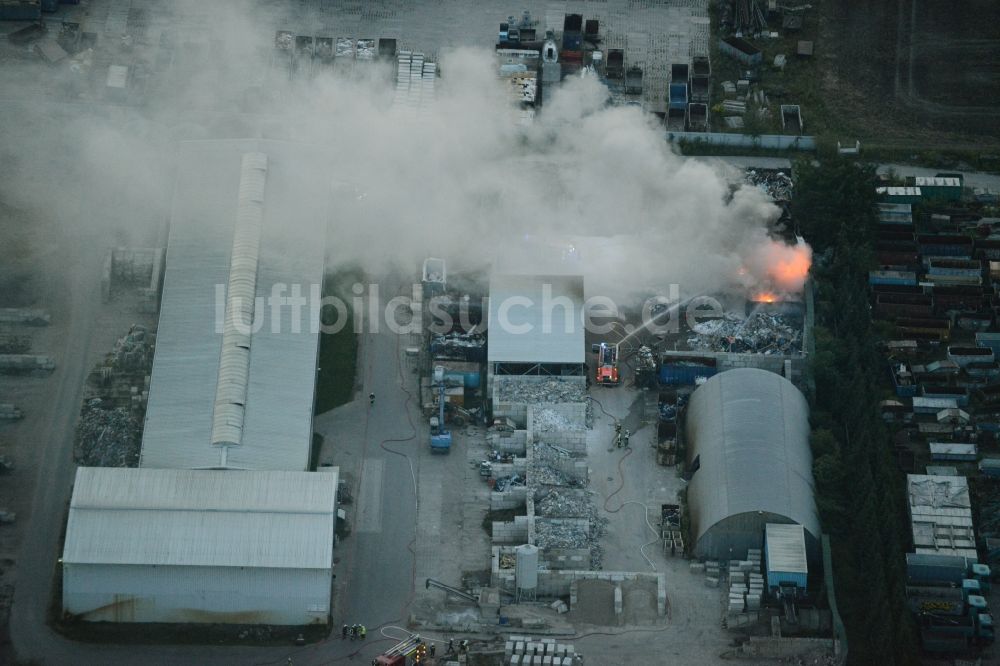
[[277, 420], [750, 430], [202, 518], [786, 548], [536, 319]]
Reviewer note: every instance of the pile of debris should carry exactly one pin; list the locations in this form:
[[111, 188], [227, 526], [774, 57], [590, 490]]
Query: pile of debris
[[133, 354], [776, 184], [459, 347], [547, 466], [556, 503], [546, 420], [107, 437], [568, 536], [539, 392], [760, 333]]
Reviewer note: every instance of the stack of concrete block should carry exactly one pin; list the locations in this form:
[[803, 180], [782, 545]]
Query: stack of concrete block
[[736, 600], [755, 591], [712, 568], [520, 651]]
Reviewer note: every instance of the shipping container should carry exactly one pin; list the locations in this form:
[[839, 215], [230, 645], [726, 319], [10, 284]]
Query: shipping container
[[937, 189], [893, 214], [678, 95], [932, 406], [930, 328], [904, 195], [953, 451], [927, 569], [892, 277], [942, 245], [698, 117], [890, 260], [20, 10], [686, 373], [963, 355], [964, 267], [633, 81], [676, 120], [938, 599], [958, 394], [990, 467], [990, 340], [897, 289], [616, 64], [741, 50]]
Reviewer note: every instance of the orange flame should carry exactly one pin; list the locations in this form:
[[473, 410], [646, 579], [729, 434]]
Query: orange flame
[[791, 267], [765, 297]]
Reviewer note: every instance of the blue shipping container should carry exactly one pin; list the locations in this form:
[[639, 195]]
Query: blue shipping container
[[21, 11], [675, 374], [678, 95], [572, 41]]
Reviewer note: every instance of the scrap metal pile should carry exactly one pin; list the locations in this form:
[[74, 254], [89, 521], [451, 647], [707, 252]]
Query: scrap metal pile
[[546, 420], [133, 353], [537, 392], [745, 17], [760, 333], [548, 465], [553, 533], [459, 346], [107, 437], [776, 184], [561, 503]]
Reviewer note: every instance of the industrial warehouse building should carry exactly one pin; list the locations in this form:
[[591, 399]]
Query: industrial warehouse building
[[222, 523], [247, 216], [165, 545], [749, 461], [536, 325]]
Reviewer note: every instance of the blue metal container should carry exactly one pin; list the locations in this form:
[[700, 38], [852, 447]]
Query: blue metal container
[[678, 95], [21, 11], [677, 374], [50, 5], [572, 41]]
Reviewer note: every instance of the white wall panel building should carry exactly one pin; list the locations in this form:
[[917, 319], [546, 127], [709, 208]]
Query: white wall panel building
[[165, 545]]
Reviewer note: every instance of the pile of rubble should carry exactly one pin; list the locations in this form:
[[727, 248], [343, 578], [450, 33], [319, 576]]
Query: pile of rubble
[[546, 420], [761, 333], [566, 536], [538, 392], [107, 437], [776, 184], [556, 503], [133, 353], [546, 461]]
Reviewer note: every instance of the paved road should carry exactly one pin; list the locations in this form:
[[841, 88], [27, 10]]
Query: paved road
[[378, 586]]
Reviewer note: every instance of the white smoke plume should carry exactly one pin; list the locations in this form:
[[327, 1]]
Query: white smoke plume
[[587, 188]]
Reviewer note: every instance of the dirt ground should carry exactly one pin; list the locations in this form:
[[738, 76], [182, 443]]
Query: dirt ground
[[914, 70]]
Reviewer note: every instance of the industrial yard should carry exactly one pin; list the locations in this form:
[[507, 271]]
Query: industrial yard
[[405, 333]]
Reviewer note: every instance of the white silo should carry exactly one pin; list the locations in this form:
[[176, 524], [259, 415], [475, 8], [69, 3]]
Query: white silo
[[526, 572]]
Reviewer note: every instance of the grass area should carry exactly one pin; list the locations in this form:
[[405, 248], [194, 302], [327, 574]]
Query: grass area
[[338, 352]]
